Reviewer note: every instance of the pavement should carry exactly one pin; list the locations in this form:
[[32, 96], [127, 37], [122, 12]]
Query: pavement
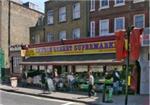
[[80, 97], [9, 98]]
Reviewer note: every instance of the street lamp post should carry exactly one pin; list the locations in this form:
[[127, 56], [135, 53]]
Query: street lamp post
[[128, 62]]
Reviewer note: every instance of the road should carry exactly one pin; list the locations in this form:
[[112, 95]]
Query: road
[[8, 98]]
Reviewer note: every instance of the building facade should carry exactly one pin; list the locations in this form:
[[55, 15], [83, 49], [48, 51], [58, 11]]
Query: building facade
[[67, 46], [15, 20], [64, 20], [109, 16]]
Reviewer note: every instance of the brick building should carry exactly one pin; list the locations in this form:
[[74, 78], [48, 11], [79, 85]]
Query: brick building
[[63, 20], [16, 20], [108, 16]]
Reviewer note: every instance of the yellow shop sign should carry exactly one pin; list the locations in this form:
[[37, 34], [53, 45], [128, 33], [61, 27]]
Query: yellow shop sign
[[74, 49]]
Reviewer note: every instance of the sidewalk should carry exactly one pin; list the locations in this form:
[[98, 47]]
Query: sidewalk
[[82, 98]]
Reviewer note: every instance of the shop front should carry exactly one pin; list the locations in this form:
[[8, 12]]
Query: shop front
[[76, 57]]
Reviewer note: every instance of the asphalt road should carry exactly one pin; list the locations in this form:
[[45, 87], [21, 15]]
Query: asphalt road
[[7, 98]]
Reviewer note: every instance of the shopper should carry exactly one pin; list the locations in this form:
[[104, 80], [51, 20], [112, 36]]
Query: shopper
[[108, 88], [116, 81], [91, 91], [71, 81]]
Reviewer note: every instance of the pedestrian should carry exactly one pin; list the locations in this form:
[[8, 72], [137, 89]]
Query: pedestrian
[[91, 91], [43, 80], [116, 81], [108, 88], [56, 79], [71, 81]]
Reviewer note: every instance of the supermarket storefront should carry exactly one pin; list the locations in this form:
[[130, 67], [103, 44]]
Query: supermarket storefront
[[74, 56]]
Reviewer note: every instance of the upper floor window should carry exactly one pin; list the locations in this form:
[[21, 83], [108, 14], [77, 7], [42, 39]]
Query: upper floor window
[[62, 14], [50, 18], [49, 37], [104, 4], [92, 6], [76, 33], [139, 21], [62, 35], [37, 38], [104, 27], [119, 2], [119, 23], [76, 10], [92, 29], [136, 1]]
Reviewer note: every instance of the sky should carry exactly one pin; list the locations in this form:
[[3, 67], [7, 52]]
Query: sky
[[40, 3]]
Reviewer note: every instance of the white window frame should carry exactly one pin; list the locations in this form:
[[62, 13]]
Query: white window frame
[[92, 29], [92, 5], [49, 37], [143, 19], [137, 1], [115, 23], [103, 7], [62, 14], [62, 35], [76, 10], [119, 4], [100, 33], [50, 17], [74, 33]]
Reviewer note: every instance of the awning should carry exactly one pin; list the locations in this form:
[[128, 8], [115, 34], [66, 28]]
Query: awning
[[103, 59]]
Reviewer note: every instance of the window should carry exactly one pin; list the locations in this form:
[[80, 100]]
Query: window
[[37, 38], [119, 2], [139, 21], [76, 33], [104, 27], [62, 35], [62, 14], [119, 23], [92, 6], [50, 18], [92, 29], [49, 37], [104, 4], [76, 11], [136, 1]]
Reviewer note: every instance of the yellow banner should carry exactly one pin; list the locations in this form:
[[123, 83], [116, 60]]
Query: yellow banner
[[74, 49]]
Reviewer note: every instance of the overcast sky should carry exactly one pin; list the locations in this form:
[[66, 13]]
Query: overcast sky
[[40, 3]]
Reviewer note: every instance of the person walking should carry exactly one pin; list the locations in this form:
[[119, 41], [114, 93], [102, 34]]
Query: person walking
[[116, 81], [91, 91]]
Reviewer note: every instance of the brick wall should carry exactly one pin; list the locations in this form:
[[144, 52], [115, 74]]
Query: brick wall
[[120, 11]]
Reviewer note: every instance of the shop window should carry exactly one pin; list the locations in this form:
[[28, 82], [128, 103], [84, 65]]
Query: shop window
[[92, 29], [50, 18], [104, 27], [62, 14], [76, 33], [119, 2], [92, 5], [104, 4], [62, 35], [76, 10], [139, 21], [119, 23]]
